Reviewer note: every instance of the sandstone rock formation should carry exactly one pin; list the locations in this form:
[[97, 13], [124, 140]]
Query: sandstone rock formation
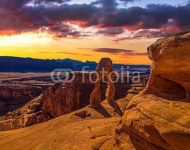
[[65, 98], [15, 96], [57, 100], [71, 131], [135, 89], [27, 115], [158, 118], [104, 70], [170, 68]]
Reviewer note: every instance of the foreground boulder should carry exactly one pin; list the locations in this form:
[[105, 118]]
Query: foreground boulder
[[159, 117], [170, 75]]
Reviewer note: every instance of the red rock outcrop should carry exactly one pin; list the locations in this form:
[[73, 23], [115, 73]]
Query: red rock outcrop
[[64, 98], [57, 100], [27, 115], [170, 68], [15, 96], [158, 118], [104, 70]]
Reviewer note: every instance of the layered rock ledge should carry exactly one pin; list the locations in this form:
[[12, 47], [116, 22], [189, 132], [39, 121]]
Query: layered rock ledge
[[159, 117]]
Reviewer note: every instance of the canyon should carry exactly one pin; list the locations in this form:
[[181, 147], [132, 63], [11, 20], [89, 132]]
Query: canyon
[[55, 100]]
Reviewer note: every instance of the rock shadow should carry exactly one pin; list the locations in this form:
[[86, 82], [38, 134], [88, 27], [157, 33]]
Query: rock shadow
[[102, 111]]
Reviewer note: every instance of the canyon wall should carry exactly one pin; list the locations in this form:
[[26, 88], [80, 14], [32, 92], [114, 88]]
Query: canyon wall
[[57, 100], [15, 96]]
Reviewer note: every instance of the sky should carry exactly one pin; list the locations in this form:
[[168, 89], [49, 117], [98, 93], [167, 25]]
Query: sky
[[89, 29]]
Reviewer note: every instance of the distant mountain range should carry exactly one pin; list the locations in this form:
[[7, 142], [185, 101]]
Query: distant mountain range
[[18, 64]]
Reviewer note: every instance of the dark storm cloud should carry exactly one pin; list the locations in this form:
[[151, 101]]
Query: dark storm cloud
[[12, 4], [150, 34], [144, 34], [54, 14], [153, 16], [107, 5], [50, 1], [17, 4], [63, 30], [60, 28], [14, 20], [30, 18], [74, 12], [112, 50], [111, 31], [116, 51], [128, 1], [16, 17]]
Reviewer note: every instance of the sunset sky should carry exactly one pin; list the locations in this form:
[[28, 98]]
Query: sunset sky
[[88, 29]]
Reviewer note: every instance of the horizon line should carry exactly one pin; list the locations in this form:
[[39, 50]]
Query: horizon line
[[69, 58]]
